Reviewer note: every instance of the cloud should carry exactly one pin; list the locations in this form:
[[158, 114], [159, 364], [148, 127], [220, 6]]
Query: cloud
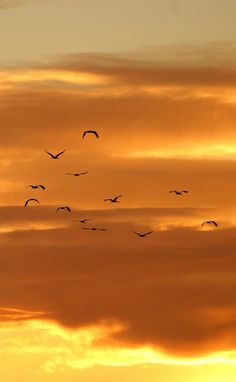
[[5, 4], [164, 291], [173, 291]]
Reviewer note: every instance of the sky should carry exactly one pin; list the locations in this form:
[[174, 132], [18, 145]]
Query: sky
[[156, 80]]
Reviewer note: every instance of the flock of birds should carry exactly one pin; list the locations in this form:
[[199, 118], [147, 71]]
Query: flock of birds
[[111, 200]]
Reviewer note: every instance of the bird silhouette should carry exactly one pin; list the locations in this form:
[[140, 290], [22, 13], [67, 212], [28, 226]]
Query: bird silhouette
[[55, 156], [30, 200], [36, 186], [95, 229], [83, 221], [179, 192], [65, 208], [211, 222], [113, 200], [142, 234], [90, 132], [77, 173]]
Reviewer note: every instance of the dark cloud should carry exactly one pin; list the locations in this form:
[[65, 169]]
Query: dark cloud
[[165, 290]]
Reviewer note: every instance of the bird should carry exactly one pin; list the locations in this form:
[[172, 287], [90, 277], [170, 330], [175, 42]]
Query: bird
[[55, 156], [142, 234], [179, 192], [212, 222], [30, 200], [36, 186], [113, 200], [91, 132], [65, 208], [77, 173], [83, 221], [95, 229]]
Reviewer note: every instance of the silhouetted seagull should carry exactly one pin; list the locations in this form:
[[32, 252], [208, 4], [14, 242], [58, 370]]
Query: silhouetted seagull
[[65, 208], [55, 156], [77, 173], [83, 221], [95, 229], [142, 234], [30, 200], [211, 222], [91, 132], [36, 186], [179, 192], [113, 200]]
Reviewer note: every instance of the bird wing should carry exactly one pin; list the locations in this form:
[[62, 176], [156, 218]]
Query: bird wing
[[60, 153], [58, 208], [185, 191], [49, 153], [85, 132], [68, 209], [95, 133], [148, 233], [83, 173], [172, 191], [41, 186], [105, 200], [203, 224], [136, 233], [213, 222]]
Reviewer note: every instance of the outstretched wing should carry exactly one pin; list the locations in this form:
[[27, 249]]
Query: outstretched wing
[[68, 209], [136, 233], [203, 224], [147, 233], [83, 173], [49, 153], [85, 132], [106, 200], [41, 186], [213, 222], [60, 153], [184, 191], [95, 133]]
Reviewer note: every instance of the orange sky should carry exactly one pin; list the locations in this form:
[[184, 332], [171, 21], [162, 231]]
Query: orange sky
[[84, 305]]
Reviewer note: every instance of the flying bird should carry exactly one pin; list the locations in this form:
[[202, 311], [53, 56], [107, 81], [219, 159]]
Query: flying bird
[[179, 192], [65, 208], [36, 186], [211, 222], [77, 173], [142, 234], [113, 200], [30, 200], [95, 229], [83, 221], [91, 132], [55, 156]]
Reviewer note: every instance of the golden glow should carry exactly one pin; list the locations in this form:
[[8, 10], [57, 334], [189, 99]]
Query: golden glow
[[197, 152], [72, 77], [79, 349]]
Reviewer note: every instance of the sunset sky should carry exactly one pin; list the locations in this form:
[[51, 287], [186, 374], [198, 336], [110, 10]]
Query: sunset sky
[[157, 80]]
